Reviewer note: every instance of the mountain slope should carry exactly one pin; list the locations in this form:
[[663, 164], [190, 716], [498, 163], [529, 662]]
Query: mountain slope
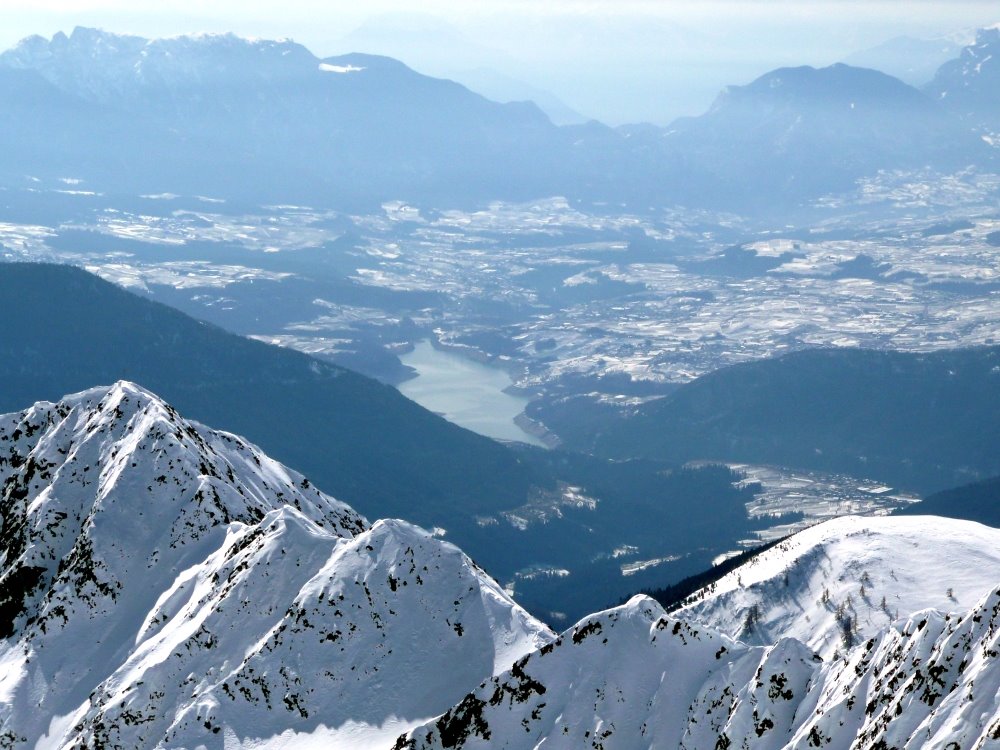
[[968, 85], [291, 632], [925, 421], [635, 677], [281, 123], [363, 440], [979, 502], [514, 510], [37, 116], [843, 581], [164, 583], [806, 131]]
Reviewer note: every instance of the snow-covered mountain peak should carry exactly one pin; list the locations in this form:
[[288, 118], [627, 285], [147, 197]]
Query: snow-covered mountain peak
[[636, 677], [621, 677], [93, 42], [928, 681], [109, 493], [640, 607], [82, 41], [89, 38], [842, 581], [207, 45], [162, 583], [96, 450], [291, 631], [409, 566]]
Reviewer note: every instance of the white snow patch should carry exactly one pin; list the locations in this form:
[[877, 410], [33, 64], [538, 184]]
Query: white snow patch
[[865, 570], [328, 68], [349, 736], [629, 569]]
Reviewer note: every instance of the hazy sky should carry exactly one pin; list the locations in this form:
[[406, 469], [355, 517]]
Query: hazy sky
[[622, 61]]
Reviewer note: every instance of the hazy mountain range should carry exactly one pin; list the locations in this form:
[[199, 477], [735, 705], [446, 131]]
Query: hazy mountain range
[[279, 124], [912, 60], [967, 85]]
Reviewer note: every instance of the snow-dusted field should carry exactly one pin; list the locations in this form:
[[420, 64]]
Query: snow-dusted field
[[578, 292]]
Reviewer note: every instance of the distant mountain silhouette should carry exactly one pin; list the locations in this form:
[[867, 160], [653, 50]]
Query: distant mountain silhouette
[[805, 131], [268, 121], [283, 123], [970, 85], [911, 60]]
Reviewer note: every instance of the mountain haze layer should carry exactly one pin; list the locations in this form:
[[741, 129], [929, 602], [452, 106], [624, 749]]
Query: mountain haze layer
[[909, 59], [807, 131], [279, 125], [347, 128]]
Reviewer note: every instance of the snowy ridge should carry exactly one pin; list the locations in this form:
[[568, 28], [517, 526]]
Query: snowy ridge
[[112, 477], [106, 67], [361, 643], [843, 581], [633, 677], [162, 584]]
